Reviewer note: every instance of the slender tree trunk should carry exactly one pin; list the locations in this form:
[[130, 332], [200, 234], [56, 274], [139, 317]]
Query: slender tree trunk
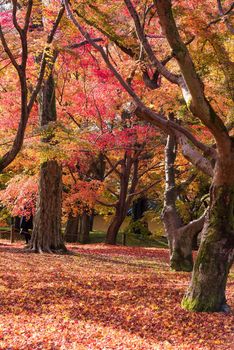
[[91, 221], [46, 236], [72, 229], [216, 252], [85, 228], [180, 237]]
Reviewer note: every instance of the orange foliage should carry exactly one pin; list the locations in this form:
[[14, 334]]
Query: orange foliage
[[102, 298]]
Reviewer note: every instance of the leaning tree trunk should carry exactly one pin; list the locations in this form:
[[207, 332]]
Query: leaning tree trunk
[[180, 242], [46, 236], [216, 252], [113, 229]]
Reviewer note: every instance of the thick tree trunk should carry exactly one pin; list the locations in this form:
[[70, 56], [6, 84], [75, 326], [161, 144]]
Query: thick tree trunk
[[46, 235], [216, 252], [113, 229]]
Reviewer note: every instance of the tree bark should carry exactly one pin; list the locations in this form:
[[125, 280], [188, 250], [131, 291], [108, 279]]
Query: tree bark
[[180, 236], [72, 228], [129, 167], [85, 225], [46, 235], [113, 229], [216, 252]]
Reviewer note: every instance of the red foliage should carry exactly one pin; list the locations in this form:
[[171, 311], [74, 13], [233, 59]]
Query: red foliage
[[102, 298]]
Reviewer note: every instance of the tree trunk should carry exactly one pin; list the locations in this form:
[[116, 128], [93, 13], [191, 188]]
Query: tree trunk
[[181, 242], [180, 236], [46, 235], [91, 221], [72, 229], [85, 225], [113, 229], [216, 252]]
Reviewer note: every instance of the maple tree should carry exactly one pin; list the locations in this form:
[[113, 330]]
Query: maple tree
[[218, 243], [126, 165], [21, 26], [156, 52]]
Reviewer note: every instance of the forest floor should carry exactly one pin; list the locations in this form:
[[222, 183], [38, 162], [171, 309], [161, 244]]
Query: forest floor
[[105, 298]]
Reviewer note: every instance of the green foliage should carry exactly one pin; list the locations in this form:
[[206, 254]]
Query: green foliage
[[139, 227]]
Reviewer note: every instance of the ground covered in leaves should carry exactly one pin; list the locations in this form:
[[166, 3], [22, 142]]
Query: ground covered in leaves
[[103, 298]]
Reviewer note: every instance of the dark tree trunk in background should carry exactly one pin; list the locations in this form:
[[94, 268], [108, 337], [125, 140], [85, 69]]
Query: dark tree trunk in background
[[85, 224], [129, 169], [138, 208], [78, 228], [46, 235], [72, 228], [91, 221], [180, 237]]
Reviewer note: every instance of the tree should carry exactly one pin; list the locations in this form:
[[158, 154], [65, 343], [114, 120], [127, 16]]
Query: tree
[[216, 253], [127, 163], [180, 236], [27, 101], [47, 235]]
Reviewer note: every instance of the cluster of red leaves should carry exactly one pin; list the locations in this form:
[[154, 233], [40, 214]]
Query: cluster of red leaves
[[102, 298], [20, 195]]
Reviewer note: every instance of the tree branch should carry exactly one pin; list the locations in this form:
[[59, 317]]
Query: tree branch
[[142, 110], [191, 84]]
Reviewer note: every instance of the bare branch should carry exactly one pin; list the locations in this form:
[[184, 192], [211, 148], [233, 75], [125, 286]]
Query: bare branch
[[143, 39], [224, 15], [113, 166], [44, 57], [146, 188]]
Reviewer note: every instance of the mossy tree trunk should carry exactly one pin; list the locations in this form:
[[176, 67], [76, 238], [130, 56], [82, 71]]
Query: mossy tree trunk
[[216, 252]]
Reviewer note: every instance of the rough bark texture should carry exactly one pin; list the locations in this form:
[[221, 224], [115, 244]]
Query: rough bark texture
[[46, 236], [180, 237], [216, 253]]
